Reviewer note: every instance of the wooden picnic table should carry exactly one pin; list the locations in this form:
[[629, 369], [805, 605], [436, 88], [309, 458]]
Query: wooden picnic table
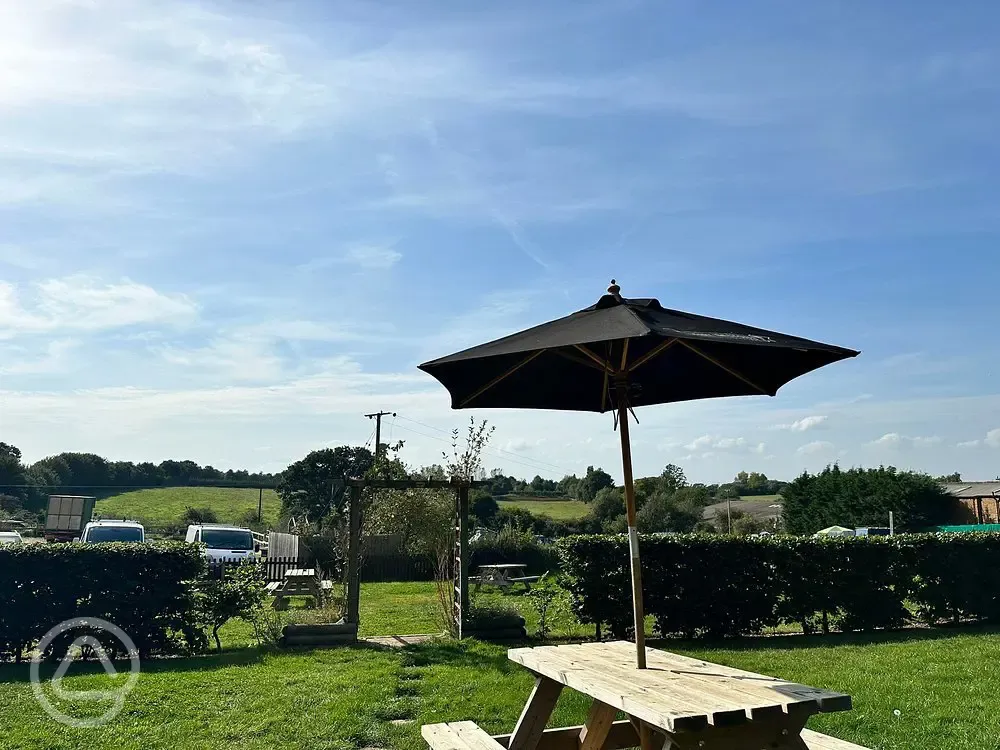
[[677, 703], [299, 582], [504, 576]]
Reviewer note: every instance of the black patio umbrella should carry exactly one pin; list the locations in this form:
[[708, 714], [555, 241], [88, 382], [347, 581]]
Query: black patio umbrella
[[620, 354]]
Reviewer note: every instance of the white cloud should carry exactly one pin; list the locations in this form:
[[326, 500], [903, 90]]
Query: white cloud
[[804, 424], [993, 438], [970, 444], [895, 440], [698, 443], [53, 359], [720, 444], [817, 446], [81, 303]]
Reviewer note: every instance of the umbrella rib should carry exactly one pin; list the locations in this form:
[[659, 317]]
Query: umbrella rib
[[501, 377], [606, 366], [728, 369], [658, 349]]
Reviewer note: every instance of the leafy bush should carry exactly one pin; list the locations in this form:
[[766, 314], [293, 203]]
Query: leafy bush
[[145, 589], [699, 585], [239, 592]]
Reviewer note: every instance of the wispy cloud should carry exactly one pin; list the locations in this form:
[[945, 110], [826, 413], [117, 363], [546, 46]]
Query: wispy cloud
[[804, 424], [815, 447], [86, 304], [895, 440]]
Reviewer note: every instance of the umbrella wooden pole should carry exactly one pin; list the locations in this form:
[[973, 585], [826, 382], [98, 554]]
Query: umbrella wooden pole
[[633, 537]]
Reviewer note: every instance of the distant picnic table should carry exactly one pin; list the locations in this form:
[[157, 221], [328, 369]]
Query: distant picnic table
[[299, 582], [504, 576], [678, 703]]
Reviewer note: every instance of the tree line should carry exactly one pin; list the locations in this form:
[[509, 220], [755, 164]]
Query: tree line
[[26, 486]]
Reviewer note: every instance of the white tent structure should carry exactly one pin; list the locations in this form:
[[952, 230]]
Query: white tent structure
[[835, 531]]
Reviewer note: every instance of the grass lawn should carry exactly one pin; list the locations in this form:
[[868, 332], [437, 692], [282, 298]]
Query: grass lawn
[[942, 684], [560, 510], [162, 506]]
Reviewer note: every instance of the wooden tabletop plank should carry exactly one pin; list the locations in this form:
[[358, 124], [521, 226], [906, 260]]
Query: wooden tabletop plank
[[786, 693], [676, 690], [628, 698], [650, 687], [727, 695]]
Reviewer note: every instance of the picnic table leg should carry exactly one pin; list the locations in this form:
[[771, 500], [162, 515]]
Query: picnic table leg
[[595, 731], [535, 715]]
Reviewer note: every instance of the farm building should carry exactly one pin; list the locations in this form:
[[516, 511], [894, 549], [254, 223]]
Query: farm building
[[981, 500]]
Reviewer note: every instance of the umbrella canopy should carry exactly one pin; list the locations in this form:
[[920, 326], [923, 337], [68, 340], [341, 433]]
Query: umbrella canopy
[[663, 355], [623, 353]]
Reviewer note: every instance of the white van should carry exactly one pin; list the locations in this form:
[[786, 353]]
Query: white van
[[108, 530], [222, 543]]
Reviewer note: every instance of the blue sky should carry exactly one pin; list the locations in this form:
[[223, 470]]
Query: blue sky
[[229, 229]]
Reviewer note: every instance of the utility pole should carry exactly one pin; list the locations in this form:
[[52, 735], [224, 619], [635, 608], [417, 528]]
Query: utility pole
[[377, 416]]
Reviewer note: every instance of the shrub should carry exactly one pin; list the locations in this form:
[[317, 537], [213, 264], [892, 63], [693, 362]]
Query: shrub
[[698, 585], [239, 592], [145, 589]]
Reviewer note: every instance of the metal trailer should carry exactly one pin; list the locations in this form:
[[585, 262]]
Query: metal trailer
[[66, 516]]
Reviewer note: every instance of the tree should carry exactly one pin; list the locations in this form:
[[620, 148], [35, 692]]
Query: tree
[[662, 513], [672, 479], [606, 507], [952, 478], [469, 463], [864, 497], [593, 482], [307, 486], [483, 507]]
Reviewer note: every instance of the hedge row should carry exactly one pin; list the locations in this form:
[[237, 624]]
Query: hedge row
[[144, 589], [716, 586]]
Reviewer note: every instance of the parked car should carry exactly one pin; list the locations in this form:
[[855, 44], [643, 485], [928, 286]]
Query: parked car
[[10, 537], [223, 543], [113, 531]]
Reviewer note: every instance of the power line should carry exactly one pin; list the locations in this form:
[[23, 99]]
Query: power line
[[486, 450], [538, 461]]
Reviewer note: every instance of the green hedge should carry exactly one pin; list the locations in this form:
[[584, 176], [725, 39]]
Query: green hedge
[[145, 589], [718, 586]]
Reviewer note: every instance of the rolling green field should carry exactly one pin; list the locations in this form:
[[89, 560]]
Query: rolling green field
[[163, 506], [560, 510]]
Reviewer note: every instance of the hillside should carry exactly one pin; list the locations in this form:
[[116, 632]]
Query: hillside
[[764, 508], [559, 510], [163, 506]]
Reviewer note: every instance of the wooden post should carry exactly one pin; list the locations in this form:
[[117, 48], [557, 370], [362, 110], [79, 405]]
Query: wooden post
[[260, 506], [633, 535], [353, 557], [461, 562]]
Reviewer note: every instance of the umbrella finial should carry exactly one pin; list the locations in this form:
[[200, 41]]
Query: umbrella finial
[[614, 290]]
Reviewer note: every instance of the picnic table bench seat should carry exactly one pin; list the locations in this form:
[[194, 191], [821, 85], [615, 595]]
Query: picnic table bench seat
[[273, 586], [817, 741], [458, 735]]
